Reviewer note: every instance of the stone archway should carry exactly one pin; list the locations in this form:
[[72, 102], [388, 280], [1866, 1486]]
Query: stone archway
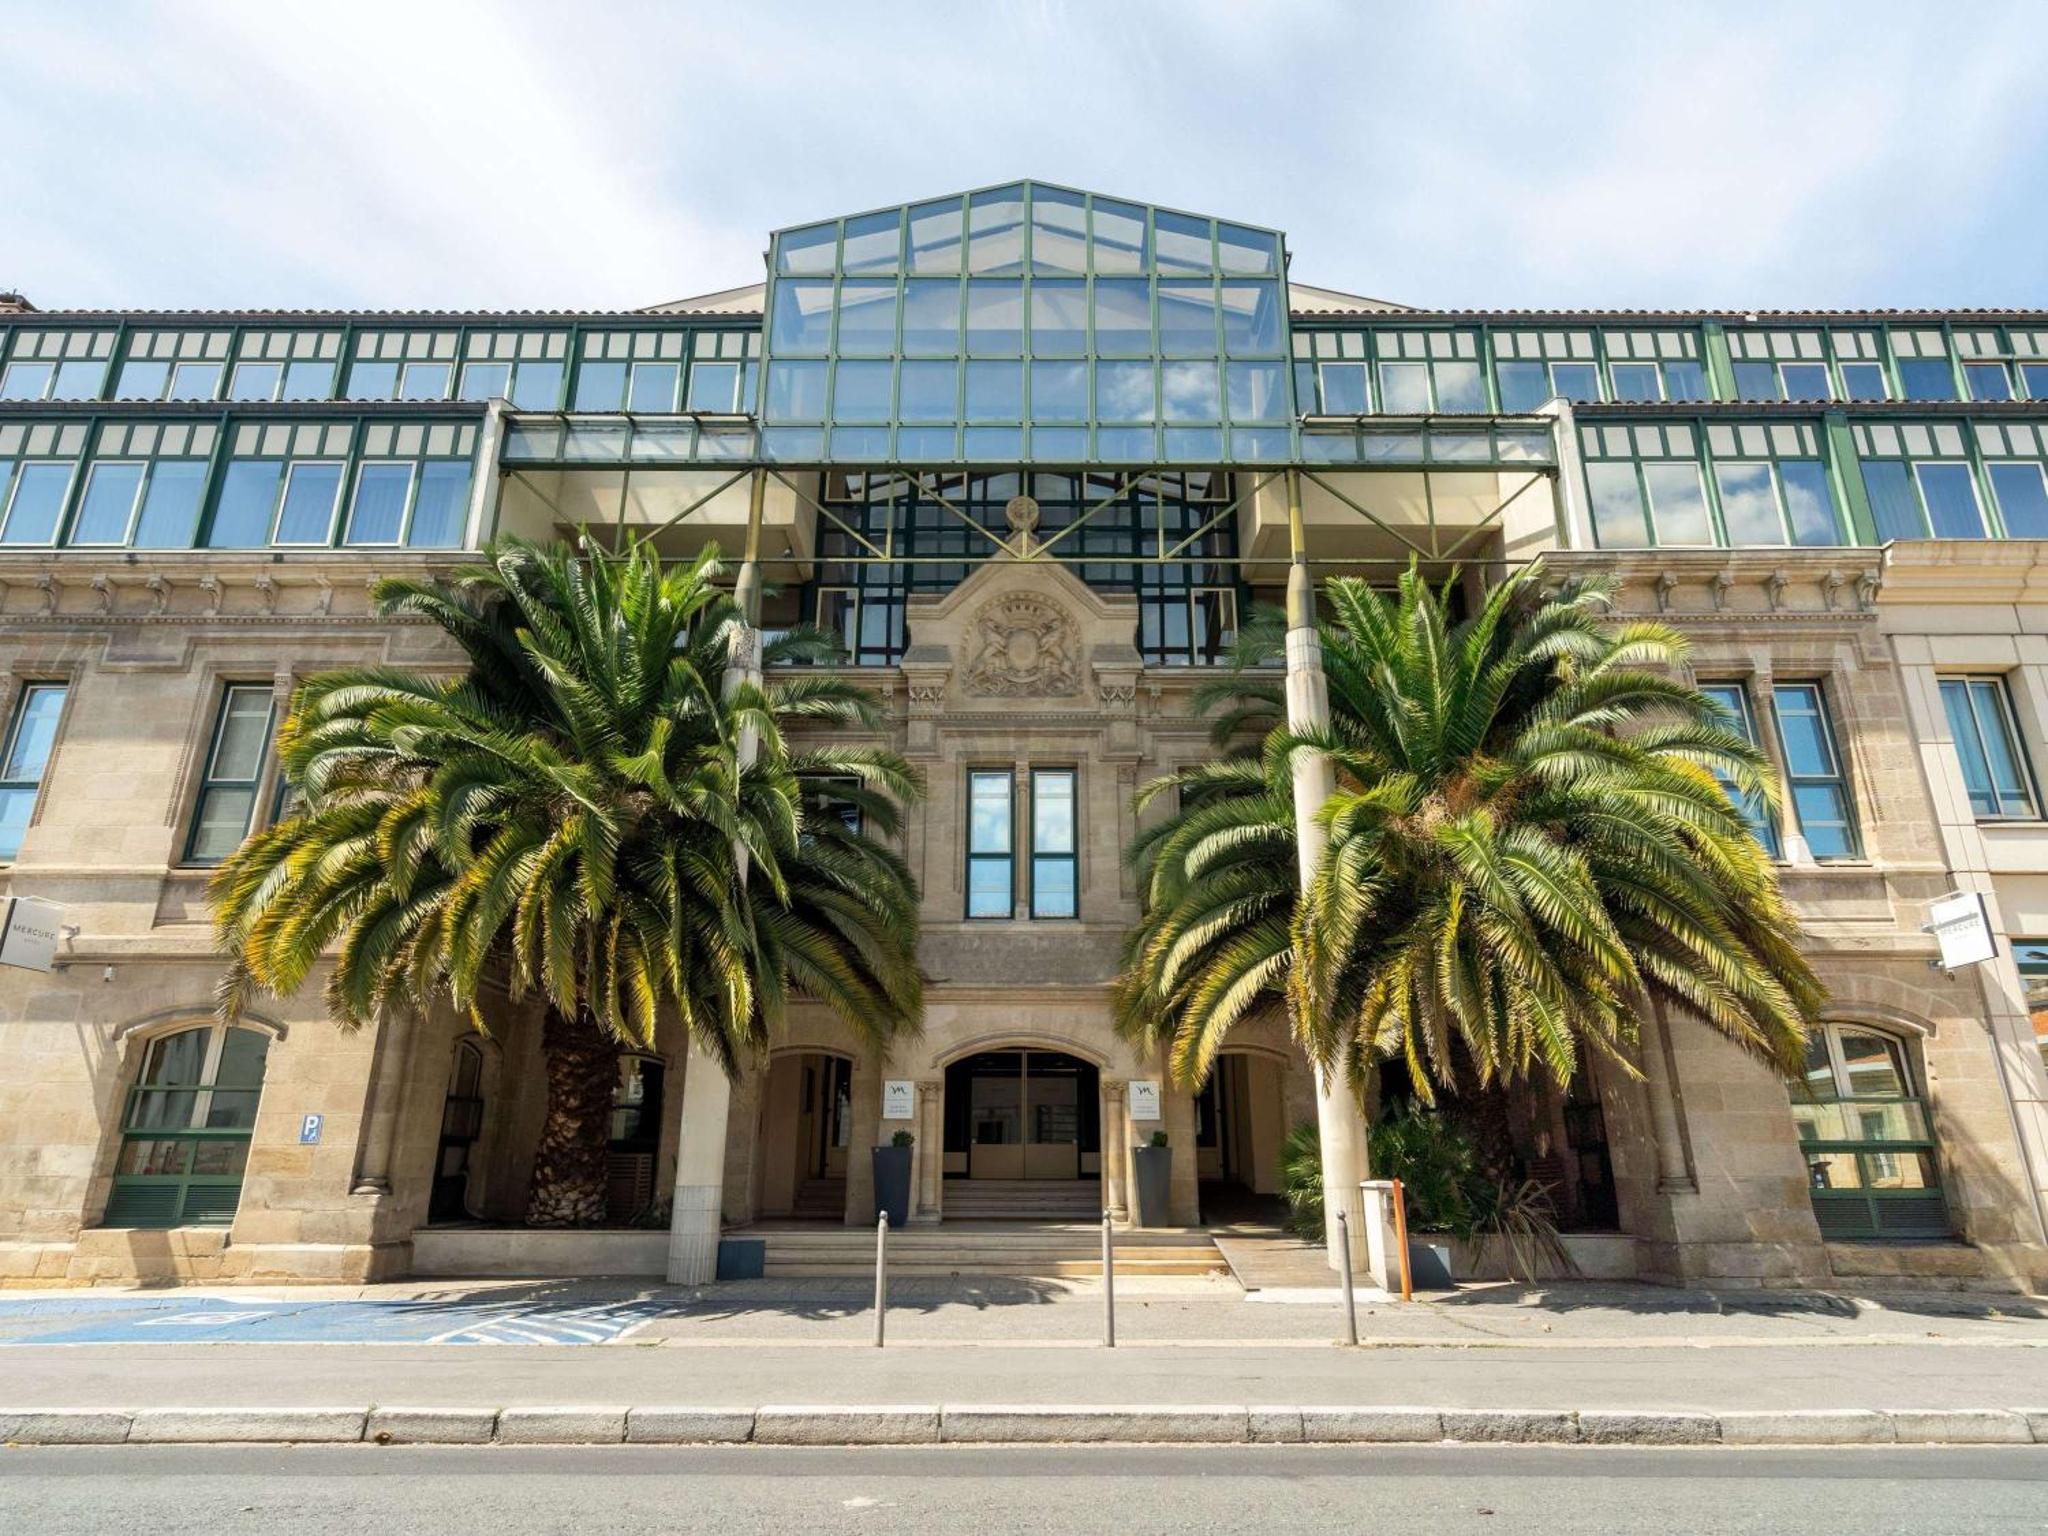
[[1021, 1121], [804, 1139]]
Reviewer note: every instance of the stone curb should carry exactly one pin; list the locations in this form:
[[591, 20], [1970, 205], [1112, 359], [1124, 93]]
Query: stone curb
[[1016, 1424]]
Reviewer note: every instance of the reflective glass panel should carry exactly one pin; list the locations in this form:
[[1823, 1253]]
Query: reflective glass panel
[[170, 507], [440, 509], [1927, 379], [108, 502], [1059, 391], [935, 236], [803, 316], [486, 381], [714, 387], [1863, 381], [1684, 380], [600, 386], [1119, 237], [1123, 317], [1575, 381], [811, 250], [1404, 388], [79, 379], [1188, 391], [1059, 231], [39, 492], [1258, 391], [796, 392], [195, 381], [27, 381], [874, 244], [255, 381], [931, 316], [1749, 503], [1187, 318], [378, 514], [1617, 506], [1123, 392], [1635, 381], [425, 381], [1805, 381], [653, 388], [307, 379], [929, 391], [1459, 387], [995, 318], [1252, 252], [2022, 499], [248, 494], [860, 391], [1894, 504], [867, 317], [995, 232], [1678, 504], [310, 492], [1523, 385], [1251, 317], [142, 378], [1059, 318], [1182, 242], [537, 386], [995, 392], [1951, 496], [1809, 502]]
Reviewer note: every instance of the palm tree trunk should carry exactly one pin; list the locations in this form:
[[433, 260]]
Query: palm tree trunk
[[582, 1064]]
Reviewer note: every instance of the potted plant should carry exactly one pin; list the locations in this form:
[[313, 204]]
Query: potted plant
[[1151, 1176], [892, 1177]]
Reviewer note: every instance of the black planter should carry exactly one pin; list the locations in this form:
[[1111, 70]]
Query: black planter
[[1152, 1179], [892, 1183]]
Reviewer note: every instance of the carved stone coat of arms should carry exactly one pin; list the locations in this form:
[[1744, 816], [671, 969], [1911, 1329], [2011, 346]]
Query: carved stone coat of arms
[[1023, 645]]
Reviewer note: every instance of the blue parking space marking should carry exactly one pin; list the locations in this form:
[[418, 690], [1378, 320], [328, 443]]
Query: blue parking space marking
[[273, 1320]]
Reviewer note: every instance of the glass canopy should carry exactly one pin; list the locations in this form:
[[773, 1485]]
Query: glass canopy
[[1027, 324]]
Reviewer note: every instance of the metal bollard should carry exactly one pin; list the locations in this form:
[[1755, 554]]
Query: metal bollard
[[1350, 1299], [1108, 1286], [881, 1276]]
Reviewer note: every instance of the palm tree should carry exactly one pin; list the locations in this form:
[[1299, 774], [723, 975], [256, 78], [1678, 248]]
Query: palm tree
[[1532, 833], [573, 820]]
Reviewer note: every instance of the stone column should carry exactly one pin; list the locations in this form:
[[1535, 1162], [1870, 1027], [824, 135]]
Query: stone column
[[864, 1134], [1115, 1139], [707, 1095], [930, 1153], [1339, 1120], [1667, 1119], [392, 1070]]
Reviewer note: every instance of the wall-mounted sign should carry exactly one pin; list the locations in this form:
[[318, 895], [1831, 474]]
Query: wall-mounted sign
[[309, 1130], [1144, 1100], [1962, 928], [899, 1098], [29, 933]]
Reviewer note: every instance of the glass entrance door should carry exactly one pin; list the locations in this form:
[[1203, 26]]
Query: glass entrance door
[[1021, 1114]]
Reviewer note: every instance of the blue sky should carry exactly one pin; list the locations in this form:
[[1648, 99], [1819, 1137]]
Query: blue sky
[[444, 153]]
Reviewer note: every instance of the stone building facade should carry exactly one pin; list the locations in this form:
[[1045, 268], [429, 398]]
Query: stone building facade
[[1035, 455]]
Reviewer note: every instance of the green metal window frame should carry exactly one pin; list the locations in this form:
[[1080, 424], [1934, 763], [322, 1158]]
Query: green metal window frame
[[1984, 723], [186, 1124], [40, 443], [1834, 1122], [1005, 857], [15, 784], [1836, 777], [1919, 443], [212, 783], [1068, 858], [1707, 443], [1732, 694]]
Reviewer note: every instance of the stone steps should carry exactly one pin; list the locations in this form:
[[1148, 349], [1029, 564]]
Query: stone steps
[[1054, 1252]]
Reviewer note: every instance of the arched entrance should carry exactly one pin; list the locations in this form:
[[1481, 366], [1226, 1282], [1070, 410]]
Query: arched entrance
[[1023, 1136], [806, 1133], [1240, 1126]]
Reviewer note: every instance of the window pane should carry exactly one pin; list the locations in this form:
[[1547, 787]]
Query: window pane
[[2022, 499], [1189, 392], [1059, 231], [1756, 381], [1685, 381], [39, 492], [1951, 496], [1994, 721], [1523, 386], [1181, 242], [486, 381], [1575, 381], [995, 392], [1343, 386], [1250, 251], [860, 392], [1749, 504], [1808, 750], [1894, 504], [1459, 387], [1123, 317], [1059, 391], [1927, 379], [867, 317], [1052, 813], [653, 389], [1251, 317], [988, 887], [109, 499], [600, 386], [1119, 237], [714, 386], [989, 813], [807, 250], [1805, 381], [372, 381], [1258, 391], [1187, 318], [248, 493], [440, 511], [1872, 1065], [1617, 506], [35, 732], [1964, 731], [935, 236], [379, 511], [195, 381], [537, 386], [995, 232], [796, 392], [170, 507], [1678, 504], [242, 1055], [874, 243], [309, 497], [1052, 888], [929, 392], [1123, 391], [142, 378], [1635, 381], [244, 731], [1734, 698], [1824, 819], [1404, 388], [425, 381], [1988, 381], [1863, 381], [1059, 319], [26, 381], [803, 316], [222, 822], [995, 318], [1809, 502], [79, 379]]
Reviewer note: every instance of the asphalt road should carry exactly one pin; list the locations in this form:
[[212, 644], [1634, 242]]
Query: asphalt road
[[225, 1491]]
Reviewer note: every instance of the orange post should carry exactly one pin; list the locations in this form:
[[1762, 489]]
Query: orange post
[[1401, 1240]]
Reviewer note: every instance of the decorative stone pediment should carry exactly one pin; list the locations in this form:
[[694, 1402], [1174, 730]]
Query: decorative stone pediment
[[1021, 645]]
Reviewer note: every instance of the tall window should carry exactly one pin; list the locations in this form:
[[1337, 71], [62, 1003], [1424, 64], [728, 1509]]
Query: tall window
[[2032, 956], [990, 866], [1055, 863], [1813, 771], [1734, 697], [1980, 719], [30, 736], [185, 1137], [1869, 1152], [234, 766]]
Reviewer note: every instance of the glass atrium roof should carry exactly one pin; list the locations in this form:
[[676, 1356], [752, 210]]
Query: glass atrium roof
[[1027, 324]]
